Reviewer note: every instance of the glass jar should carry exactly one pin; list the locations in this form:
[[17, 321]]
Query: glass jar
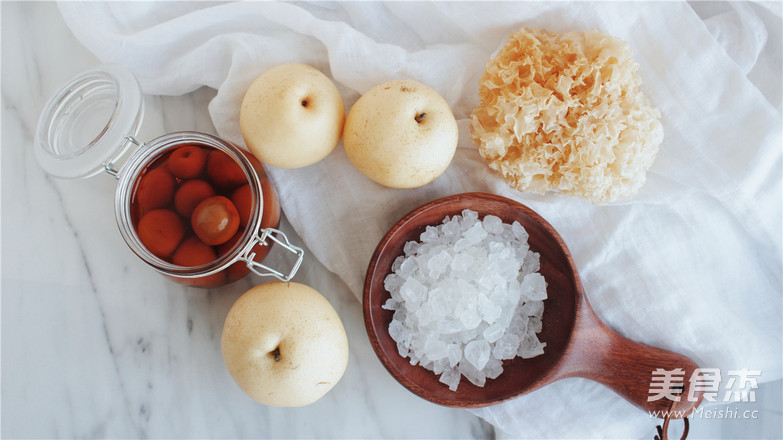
[[91, 124]]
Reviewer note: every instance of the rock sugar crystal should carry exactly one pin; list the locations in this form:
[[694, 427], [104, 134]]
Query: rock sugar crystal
[[466, 297]]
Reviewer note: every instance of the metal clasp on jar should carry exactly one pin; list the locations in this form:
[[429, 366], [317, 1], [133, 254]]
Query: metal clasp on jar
[[263, 270], [110, 167]]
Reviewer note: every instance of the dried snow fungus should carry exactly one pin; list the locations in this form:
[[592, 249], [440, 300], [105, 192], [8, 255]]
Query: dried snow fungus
[[564, 112]]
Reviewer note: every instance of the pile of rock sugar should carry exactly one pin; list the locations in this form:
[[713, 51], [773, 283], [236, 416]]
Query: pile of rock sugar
[[465, 297]]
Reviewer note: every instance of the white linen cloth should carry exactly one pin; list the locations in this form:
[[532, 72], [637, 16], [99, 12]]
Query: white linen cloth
[[692, 264]]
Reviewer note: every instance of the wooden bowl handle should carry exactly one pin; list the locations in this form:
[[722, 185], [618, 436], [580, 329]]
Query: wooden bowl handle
[[627, 367]]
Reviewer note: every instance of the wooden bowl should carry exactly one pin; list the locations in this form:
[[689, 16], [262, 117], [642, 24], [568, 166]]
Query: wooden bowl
[[577, 342]]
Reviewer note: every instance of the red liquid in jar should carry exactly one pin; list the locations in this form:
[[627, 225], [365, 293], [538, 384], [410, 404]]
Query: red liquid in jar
[[204, 192]]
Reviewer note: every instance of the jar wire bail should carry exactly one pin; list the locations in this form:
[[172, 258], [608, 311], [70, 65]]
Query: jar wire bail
[[263, 270], [110, 167]]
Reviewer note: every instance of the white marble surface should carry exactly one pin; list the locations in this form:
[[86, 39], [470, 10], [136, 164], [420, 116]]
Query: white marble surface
[[97, 345]]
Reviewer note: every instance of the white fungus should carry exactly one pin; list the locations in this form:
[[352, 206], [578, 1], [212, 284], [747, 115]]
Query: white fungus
[[465, 297], [566, 112]]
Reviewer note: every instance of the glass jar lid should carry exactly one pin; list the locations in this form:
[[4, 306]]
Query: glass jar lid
[[89, 123]]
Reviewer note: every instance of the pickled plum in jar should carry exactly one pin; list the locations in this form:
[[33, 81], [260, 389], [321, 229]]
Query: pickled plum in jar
[[215, 220], [162, 182], [191, 207]]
